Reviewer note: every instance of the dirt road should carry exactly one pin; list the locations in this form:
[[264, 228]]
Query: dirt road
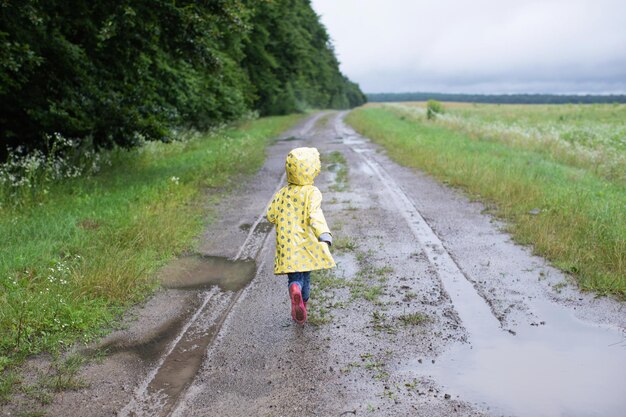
[[432, 311]]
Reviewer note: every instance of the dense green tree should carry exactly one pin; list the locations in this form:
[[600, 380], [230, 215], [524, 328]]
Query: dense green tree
[[291, 61], [116, 71]]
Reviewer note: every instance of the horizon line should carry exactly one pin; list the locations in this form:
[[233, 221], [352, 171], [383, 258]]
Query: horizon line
[[505, 94]]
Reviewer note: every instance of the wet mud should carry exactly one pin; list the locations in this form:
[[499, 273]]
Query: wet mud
[[181, 344], [149, 349], [179, 366], [289, 139], [201, 271]]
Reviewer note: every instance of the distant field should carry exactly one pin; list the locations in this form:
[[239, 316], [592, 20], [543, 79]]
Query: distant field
[[498, 98], [557, 173], [590, 136]]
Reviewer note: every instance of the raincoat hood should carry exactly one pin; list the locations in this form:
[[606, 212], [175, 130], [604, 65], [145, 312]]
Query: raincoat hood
[[302, 166]]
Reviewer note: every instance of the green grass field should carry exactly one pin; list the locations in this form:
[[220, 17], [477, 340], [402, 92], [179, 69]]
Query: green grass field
[[591, 137], [73, 259], [557, 174]]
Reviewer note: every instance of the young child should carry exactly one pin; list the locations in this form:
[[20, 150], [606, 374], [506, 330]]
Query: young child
[[302, 235]]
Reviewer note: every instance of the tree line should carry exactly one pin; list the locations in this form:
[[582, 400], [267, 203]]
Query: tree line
[[116, 72], [499, 98]]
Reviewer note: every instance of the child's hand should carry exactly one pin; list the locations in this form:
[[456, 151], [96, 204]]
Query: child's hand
[[326, 238]]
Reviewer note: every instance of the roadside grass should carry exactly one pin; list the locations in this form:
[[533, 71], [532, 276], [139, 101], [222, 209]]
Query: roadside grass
[[369, 362], [60, 376], [323, 296], [73, 261], [571, 215], [361, 289], [412, 319], [7, 384], [345, 244], [325, 286], [29, 397], [63, 374], [382, 323]]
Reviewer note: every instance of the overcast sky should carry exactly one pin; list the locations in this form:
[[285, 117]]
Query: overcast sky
[[480, 46]]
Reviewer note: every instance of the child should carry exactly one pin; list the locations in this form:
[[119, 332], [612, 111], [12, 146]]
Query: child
[[302, 235]]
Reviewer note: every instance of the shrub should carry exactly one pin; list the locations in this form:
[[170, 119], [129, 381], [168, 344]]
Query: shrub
[[433, 108]]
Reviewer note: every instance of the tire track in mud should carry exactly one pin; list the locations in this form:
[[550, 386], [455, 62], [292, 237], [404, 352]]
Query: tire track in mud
[[159, 392], [475, 313], [555, 365]]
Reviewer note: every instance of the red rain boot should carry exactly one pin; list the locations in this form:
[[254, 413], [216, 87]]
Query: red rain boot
[[298, 310]]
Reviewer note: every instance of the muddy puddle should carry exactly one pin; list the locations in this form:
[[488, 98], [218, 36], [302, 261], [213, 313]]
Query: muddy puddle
[[564, 367], [149, 349], [261, 227], [198, 271], [353, 140], [181, 357], [219, 282]]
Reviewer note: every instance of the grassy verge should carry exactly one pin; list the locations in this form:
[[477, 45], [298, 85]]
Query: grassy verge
[[571, 215], [72, 262]]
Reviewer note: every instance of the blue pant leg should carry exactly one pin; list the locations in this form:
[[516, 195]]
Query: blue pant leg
[[295, 277], [306, 285]]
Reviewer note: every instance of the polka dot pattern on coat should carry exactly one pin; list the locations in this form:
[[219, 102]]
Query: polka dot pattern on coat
[[297, 213]]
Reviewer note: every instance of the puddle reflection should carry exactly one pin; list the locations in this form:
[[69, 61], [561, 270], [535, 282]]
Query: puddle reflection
[[564, 368], [197, 271]]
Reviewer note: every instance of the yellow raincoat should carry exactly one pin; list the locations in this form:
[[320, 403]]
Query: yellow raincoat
[[296, 210]]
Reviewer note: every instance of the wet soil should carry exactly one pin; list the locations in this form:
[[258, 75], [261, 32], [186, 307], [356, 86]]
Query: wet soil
[[201, 271], [431, 311]]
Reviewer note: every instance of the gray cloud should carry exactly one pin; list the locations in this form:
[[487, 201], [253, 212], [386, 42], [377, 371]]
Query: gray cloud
[[491, 46]]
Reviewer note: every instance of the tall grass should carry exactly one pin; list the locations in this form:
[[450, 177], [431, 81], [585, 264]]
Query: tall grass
[[581, 222], [591, 137], [75, 257]]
